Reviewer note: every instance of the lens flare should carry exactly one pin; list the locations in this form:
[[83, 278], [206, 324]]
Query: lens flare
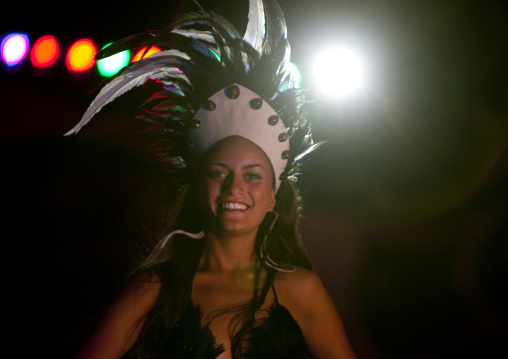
[[14, 48]]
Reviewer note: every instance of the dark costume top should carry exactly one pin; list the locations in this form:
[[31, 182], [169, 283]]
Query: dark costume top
[[278, 336]]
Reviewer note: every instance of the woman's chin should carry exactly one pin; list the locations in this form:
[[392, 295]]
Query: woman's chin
[[233, 228]]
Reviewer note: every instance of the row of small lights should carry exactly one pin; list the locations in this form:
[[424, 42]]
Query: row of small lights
[[45, 51], [337, 71]]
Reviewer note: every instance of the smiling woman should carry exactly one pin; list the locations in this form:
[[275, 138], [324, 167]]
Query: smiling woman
[[243, 286], [236, 188]]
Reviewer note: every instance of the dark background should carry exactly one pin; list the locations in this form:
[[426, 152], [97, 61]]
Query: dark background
[[405, 206]]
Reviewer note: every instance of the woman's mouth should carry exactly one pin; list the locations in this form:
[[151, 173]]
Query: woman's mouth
[[234, 206]]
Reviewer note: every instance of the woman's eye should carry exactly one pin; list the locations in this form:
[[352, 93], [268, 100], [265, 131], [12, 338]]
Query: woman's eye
[[217, 174], [252, 176]]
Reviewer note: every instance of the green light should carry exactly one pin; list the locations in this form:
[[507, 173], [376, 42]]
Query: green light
[[111, 65]]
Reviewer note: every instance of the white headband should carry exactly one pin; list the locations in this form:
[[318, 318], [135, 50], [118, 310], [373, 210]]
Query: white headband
[[237, 111]]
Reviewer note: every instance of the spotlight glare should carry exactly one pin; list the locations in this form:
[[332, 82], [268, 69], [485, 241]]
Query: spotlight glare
[[81, 55], [111, 65], [293, 69], [44, 52], [339, 72], [14, 48]]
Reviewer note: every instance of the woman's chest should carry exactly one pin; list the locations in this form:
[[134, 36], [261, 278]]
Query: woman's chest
[[221, 306], [225, 305]]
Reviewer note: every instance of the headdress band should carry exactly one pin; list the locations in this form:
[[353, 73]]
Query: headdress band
[[237, 111]]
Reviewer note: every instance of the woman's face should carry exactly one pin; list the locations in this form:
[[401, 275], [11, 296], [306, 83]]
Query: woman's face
[[236, 187]]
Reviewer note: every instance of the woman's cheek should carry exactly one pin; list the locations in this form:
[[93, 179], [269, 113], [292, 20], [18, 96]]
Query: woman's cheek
[[211, 191]]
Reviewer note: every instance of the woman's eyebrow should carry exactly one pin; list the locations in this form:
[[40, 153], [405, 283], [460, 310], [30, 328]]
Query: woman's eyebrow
[[219, 164], [249, 166], [254, 165]]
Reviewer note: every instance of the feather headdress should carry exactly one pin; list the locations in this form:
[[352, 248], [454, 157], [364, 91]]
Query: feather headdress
[[201, 54]]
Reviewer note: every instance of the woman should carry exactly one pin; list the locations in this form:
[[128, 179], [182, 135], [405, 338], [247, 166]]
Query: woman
[[242, 287]]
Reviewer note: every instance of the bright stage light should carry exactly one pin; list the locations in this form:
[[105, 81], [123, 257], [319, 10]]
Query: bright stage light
[[296, 73], [44, 52], [81, 55], [14, 48], [140, 53], [339, 72], [112, 64]]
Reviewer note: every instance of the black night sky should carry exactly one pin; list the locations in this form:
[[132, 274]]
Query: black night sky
[[405, 214]]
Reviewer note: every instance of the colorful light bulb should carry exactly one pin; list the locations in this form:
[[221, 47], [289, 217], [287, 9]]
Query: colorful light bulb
[[111, 65], [14, 48], [44, 52], [80, 56]]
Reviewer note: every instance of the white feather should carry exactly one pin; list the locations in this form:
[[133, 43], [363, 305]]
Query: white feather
[[155, 66], [198, 35], [255, 32]]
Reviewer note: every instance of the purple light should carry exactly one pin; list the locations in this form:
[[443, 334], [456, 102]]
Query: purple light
[[14, 48]]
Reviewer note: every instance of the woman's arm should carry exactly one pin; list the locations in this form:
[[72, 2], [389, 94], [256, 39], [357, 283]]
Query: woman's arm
[[121, 323], [316, 314]]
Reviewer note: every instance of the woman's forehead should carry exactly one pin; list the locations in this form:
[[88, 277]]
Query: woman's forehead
[[237, 150]]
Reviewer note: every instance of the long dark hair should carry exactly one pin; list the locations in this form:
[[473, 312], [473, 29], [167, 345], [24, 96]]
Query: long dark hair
[[178, 263]]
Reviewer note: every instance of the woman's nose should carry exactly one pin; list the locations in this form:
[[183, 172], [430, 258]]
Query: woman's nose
[[231, 184]]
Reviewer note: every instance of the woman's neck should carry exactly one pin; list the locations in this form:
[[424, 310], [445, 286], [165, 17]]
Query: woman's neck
[[227, 253]]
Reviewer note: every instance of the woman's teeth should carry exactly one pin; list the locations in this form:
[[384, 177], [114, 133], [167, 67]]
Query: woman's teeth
[[230, 205]]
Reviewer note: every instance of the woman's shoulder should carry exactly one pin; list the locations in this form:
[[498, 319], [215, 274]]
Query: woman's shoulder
[[140, 291], [306, 298], [138, 295], [145, 282], [301, 280], [299, 291]]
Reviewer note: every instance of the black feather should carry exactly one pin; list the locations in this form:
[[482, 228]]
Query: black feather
[[214, 55]]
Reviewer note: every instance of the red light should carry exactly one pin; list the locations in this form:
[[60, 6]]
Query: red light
[[81, 55], [44, 52], [140, 53]]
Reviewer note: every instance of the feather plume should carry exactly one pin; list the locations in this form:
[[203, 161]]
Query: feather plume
[[198, 35], [255, 32], [155, 66], [201, 53]]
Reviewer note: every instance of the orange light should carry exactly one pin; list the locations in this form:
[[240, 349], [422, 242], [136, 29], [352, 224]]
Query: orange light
[[140, 53], [44, 52], [81, 55]]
